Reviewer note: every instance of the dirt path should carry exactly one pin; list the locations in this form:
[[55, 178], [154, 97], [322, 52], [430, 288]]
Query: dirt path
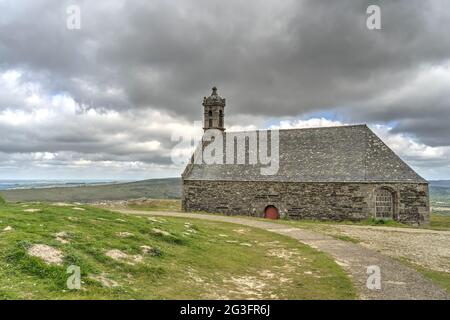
[[397, 280], [427, 248]]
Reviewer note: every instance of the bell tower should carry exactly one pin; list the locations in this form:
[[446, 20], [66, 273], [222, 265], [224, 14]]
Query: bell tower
[[213, 113]]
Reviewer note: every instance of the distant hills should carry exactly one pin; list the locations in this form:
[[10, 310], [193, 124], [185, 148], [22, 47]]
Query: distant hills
[[169, 188], [440, 193], [440, 183]]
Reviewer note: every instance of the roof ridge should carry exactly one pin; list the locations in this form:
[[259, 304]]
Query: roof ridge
[[308, 128]]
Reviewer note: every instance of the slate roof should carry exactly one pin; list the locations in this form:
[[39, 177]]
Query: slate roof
[[330, 154]]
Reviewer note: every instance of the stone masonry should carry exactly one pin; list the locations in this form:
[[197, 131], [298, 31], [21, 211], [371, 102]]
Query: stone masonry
[[319, 201]]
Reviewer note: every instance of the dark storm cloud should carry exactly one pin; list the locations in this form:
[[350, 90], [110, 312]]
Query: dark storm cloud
[[270, 59], [299, 55]]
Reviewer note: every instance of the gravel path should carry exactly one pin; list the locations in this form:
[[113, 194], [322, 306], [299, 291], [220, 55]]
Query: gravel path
[[398, 281], [427, 248]]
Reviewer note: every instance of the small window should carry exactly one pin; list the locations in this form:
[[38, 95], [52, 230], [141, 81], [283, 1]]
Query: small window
[[220, 118]]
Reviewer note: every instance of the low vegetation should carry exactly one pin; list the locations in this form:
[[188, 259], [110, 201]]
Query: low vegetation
[[365, 222], [133, 257], [440, 220], [155, 205], [440, 278]]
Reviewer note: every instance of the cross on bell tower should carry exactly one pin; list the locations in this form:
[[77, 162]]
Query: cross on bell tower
[[213, 111]]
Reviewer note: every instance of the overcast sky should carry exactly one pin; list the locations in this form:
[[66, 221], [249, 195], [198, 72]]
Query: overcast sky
[[103, 102]]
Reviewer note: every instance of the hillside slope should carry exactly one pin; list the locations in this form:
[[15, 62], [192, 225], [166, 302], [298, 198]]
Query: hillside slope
[[132, 257], [169, 188]]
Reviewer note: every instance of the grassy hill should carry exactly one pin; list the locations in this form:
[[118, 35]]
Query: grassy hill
[[169, 188], [132, 257]]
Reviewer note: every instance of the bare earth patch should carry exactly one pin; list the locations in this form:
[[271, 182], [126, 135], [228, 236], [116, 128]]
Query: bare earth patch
[[281, 253], [31, 210], [160, 232], [241, 230], [79, 209], [124, 234], [103, 279], [121, 256], [49, 254], [62, 204], [251, 287], [62, 237], [245, 244], [116, 254], [147, 249], [8, 228]]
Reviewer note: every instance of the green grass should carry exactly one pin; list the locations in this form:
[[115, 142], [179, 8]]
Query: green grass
[[440, 221], [203, 259], [346, 238], [440, 278], [156, 205]]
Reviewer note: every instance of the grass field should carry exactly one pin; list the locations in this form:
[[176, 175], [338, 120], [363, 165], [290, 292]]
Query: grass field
[[132, 257], [155, 205]]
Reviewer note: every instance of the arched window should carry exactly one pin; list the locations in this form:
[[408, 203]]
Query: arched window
[[210, 121], [384, 203]]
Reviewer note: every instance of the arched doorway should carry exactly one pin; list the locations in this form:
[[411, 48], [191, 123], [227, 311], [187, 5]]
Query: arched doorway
[[384, 204], [271, 212]]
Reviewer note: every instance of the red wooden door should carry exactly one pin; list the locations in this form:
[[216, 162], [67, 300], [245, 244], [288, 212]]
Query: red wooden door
[[271, 213]]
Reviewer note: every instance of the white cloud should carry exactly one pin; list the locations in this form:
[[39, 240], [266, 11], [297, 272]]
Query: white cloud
[[408, 147], [419, 155], [310, 123], [56, 131]]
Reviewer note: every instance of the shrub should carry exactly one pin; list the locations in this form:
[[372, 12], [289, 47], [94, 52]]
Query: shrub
[[2, 201]]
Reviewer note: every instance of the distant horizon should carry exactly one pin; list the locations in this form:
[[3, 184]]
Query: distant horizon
[[128, 180]]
